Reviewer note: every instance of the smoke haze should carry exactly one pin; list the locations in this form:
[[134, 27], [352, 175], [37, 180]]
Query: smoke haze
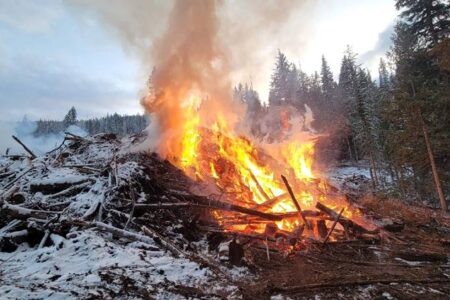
[[247, 33]]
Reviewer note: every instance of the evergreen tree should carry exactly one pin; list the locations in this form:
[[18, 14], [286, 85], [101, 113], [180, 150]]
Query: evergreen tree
[[328, 84], [278, 93], [420, 91], [347, 94], [428, 20], [70, 118]]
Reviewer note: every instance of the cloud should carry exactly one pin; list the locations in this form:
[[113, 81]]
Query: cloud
[[31, 16], [370, 58], [47, 91]]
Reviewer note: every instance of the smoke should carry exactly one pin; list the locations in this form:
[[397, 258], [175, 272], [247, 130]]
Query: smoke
[[24, 131], [249, 32], [198, 50]]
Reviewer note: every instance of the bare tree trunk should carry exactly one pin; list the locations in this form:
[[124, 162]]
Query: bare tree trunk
[[349, 148], [372, 178], [373, 170], [356, 150], [401, 182], [437, 182]]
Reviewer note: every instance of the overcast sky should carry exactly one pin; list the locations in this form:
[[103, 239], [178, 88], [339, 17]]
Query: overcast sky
[[53, 57]]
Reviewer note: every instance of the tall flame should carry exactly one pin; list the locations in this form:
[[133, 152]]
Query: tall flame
[[197, 121]]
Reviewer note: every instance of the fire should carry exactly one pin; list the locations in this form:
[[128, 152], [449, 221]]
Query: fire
[[191, 136], [299, 157], [243, 171], [196, 127]]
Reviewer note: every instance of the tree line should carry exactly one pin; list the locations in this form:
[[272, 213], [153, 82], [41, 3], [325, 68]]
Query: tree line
[[115, 123], [387, 119]]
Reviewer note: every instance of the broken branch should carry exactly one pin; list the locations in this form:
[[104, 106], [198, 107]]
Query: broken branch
[[332, 226], [33, 156], [297, 205]]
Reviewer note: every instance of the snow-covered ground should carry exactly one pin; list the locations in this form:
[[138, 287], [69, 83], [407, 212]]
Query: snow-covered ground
[[83, 265], [88, 263]]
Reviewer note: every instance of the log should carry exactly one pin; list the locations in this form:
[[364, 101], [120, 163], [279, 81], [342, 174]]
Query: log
[[83, 167], [266, 216], [51, 151], [334, 225], [259, 187], [73, 135], [238, 234], [163, 241], [14, 234], [322, 228], [33, 156], [70, 191], [203, 202], [271, 202], [90, 213], [18, 177], [133, 198], [297, 205], [7, 194], [44, 238], [342, 220], [56, 187], [10, 226], [122, 233], [22, 212]]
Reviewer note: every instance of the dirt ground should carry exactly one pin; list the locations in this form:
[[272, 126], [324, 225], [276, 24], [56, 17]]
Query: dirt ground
[[411, 263]]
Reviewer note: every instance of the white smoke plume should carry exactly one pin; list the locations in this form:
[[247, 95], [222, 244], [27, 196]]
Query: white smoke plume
[[248, 32]]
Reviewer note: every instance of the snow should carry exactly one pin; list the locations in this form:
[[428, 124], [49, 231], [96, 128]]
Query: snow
[[77, 267], [338, 175], [89, 263]]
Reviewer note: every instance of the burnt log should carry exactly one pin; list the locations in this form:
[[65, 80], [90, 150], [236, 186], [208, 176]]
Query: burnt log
[[333, 226], [235, 253], [322, 228], [203, 202], [346, 223], [297, 205]]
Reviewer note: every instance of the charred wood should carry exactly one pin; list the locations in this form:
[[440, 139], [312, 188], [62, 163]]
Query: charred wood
[[333, 226], [297, 205], [342, 220], [55, 187]]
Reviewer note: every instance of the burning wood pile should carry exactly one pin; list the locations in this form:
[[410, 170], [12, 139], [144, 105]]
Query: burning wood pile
[[100, 197], [97, 182]]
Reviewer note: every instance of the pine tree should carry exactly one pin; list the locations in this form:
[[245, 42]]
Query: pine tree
[[328, 84], [429, 20], [347, 94], [421, 89], [366, 122], [278, 93], [70, 118]]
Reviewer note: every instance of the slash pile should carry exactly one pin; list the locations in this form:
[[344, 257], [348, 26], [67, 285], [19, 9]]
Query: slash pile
[[97, 217]]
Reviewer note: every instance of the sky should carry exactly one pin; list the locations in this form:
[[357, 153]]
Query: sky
[[54, 55]]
